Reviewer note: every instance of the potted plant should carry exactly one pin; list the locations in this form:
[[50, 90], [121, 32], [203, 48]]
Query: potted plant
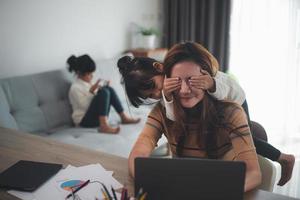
[[148, 37]]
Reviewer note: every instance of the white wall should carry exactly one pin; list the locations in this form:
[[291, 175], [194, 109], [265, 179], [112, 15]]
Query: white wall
[[39, 35]]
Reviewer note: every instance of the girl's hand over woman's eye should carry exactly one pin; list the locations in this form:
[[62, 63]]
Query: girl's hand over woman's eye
[[204, 81], [170, 85]]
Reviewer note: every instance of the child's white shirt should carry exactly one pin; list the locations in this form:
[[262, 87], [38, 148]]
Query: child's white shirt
[[81, 97]]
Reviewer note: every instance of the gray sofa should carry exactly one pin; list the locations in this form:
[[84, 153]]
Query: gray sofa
[[38, 104]]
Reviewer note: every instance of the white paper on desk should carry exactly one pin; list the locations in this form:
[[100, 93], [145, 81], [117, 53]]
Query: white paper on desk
[[110, 172], [84, 173], [51, 190], [97, 164], [92, 191], [101, 168]]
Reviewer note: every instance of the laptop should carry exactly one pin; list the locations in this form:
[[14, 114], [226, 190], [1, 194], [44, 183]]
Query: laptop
[[189, 178]]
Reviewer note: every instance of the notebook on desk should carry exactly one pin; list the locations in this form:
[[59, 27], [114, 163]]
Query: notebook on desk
[[27, 175], [189, 178]]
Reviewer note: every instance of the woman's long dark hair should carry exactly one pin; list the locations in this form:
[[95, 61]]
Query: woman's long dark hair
[[81, 64], [211, 116], [137, 74]]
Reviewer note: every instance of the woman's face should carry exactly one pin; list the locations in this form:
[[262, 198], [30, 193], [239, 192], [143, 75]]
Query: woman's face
[[87, 77], [155, 92], [188, 95]]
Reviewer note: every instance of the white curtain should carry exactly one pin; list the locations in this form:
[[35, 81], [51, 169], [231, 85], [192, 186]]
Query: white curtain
[[265, 48], [265, 58]]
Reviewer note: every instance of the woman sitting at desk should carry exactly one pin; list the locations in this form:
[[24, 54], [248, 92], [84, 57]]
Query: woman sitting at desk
[[204, 127]]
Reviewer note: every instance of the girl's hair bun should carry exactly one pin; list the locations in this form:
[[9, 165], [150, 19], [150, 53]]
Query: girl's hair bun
[[72, 61], [125, 64]]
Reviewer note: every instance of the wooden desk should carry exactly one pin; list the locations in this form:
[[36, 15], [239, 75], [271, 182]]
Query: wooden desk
[[15, 145]]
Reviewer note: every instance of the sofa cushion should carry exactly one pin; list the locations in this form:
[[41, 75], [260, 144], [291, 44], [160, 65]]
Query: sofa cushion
[[118, 144], [6, 118], [37, 102], [52, 89], [24, 103]]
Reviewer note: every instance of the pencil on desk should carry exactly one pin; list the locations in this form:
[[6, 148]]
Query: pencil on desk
[[78, 188], [114, 193], [104, 194], [126, 197], [106, 191], [123, 194], [139, 193], [143, 197]]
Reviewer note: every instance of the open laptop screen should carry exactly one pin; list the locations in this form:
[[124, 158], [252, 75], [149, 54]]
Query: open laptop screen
[[189, 178]]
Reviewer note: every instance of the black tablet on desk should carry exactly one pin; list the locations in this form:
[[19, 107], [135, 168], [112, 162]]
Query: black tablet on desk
[[27, 175]]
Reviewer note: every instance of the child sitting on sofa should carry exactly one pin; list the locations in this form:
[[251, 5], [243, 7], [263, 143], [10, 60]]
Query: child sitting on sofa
[[91, 102]]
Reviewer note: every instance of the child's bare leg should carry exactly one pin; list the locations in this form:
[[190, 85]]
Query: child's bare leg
[[286, 162], [105, 127], [128, 120]]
